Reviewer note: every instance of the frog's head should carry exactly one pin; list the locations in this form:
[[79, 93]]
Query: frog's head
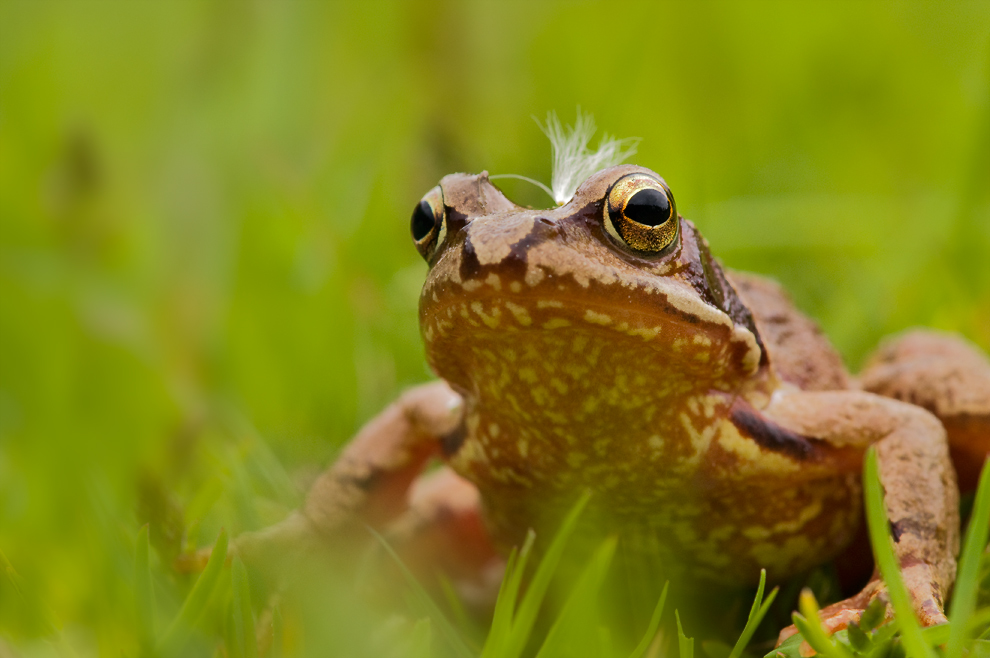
[[609, 302]]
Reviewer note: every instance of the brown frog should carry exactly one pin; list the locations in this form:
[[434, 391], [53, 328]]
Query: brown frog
[[599, 346]]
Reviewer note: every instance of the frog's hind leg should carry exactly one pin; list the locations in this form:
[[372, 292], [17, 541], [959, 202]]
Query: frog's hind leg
[[946, 375], [367, 486], [921, 497]]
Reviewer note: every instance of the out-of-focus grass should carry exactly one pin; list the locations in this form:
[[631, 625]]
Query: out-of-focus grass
[[205, 268]]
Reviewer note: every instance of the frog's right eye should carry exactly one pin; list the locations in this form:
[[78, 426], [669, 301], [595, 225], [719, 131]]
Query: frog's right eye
[[429, 225], [640, 214]]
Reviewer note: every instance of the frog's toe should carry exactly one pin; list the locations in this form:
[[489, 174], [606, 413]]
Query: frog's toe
[[442, 532], [834, 618]]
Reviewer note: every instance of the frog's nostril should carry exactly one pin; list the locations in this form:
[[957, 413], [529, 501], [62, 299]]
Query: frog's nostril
[[546, 220]]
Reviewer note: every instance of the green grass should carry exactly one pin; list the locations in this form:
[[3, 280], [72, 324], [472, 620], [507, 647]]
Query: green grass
[[207, 283], [219, 611], [511, 635]]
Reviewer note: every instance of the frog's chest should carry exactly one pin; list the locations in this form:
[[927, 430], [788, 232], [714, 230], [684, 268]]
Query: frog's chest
[[559, 412], [679, 477], [720, 530]]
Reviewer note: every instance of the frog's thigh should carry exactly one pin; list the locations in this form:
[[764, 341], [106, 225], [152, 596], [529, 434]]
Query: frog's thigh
[[946, 375], [919, 483]]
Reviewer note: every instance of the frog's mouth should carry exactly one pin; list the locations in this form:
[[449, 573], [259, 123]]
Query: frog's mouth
[[484, 327], [545, 364]]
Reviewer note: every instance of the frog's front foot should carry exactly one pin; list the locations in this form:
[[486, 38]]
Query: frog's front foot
[[918, 578], [833, 618]]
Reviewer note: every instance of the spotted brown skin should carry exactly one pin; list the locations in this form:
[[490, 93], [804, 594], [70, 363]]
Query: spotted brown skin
[[587, 361], [621, 378], [707, 416]]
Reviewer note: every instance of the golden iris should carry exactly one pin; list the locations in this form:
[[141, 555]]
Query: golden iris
[[640, 213]]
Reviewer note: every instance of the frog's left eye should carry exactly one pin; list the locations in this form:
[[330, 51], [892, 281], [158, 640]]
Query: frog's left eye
[[640, 213], [429, 225]]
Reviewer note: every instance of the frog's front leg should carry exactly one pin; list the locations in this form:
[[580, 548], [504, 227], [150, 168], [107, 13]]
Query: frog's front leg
[[921, 496], [369, 483], [949, 377]]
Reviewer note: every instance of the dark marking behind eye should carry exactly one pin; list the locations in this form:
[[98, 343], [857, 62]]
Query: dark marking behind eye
[[514, 264], [423, 220], [649, 207], [470, 265], [710, 282], [769, 434]]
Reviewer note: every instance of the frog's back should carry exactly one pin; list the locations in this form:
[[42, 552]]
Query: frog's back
[[799, 351]]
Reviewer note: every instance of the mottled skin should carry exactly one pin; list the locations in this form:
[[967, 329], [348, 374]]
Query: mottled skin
[[705, 413]]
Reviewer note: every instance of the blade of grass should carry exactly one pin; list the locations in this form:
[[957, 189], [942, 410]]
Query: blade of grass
[[788, 648], [258, 456], [47, 617], [685, 644], [964, 597], [525, 617], [810, 625], [196, 602], [936, 635], [245, 637], [883, 638], [143, 593], [505, 603], [586, 589], [419, 644], [651, 630], [498, 632], [460, 616], [883, 552], [203, 501], [756, 613], [427, 604], [873, 616], [858, 639], [278, 629]]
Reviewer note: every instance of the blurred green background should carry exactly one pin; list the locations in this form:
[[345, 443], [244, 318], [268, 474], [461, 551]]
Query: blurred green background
[[205, 267]]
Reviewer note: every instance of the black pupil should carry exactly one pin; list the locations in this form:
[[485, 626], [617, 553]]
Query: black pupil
[[649, 207], [422, 220]]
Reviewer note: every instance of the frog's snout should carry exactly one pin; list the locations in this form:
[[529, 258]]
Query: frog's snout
[[504, 239]]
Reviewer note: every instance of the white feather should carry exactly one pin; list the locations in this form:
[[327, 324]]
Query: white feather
[[573, 162]]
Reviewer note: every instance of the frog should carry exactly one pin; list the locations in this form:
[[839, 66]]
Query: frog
[[599, 346]]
